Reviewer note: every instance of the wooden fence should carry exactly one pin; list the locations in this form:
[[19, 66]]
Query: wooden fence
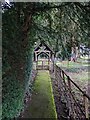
[[76, 100], [44, 65]]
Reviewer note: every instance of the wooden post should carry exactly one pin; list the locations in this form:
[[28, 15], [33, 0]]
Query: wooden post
[[35, 56], [55, 72], [53, 61], [48, 63], [70, 101], [63, 75], [86, 104], [69, 83], [42, 64], [60, 72], [36, 65]]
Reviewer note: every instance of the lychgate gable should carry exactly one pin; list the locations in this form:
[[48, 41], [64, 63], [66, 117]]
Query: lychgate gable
[[45, 55], [43, 48]]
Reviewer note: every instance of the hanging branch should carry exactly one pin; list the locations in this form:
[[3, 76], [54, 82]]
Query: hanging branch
[[82, 7], [48, 7]]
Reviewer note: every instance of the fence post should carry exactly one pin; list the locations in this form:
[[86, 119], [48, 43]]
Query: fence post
[[42, 64], [63, 75], [36, 65], [48, 64], [70, 101], [60, 84], [85, 99], [60, 72], [69, 83]]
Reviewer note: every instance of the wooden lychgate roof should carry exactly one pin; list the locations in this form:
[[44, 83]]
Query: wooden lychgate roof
[[44, 46]]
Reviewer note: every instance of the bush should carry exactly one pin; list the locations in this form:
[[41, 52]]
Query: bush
[[13, 93], [17, 64]]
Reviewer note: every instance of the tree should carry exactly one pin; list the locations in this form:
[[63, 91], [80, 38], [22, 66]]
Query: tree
[[25, 23]]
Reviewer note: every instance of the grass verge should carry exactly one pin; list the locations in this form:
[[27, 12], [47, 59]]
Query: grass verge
[[42, 103]]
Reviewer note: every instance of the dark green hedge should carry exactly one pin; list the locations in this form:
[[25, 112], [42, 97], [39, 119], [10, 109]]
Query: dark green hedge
[[17, 66], [12, 97], [14, 91]]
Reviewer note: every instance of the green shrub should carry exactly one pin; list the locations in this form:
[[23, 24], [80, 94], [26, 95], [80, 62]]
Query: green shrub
[[13, 93], [14, 90], [17, 65]]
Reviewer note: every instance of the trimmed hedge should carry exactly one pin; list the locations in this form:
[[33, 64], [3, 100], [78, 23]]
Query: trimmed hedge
[[17, 66], [12, 97], [14, 92]]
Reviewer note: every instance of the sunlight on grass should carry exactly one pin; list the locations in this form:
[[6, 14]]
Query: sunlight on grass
[[72, 64], [78, 71], [44, 62]]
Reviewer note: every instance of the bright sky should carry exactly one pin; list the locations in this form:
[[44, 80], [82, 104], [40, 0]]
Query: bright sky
[[7, 1]]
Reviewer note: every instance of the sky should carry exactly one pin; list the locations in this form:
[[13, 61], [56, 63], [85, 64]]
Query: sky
[[7, 1]]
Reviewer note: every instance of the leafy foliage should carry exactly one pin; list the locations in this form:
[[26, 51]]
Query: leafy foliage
[[61, 25], [17, 64], [64, 27]]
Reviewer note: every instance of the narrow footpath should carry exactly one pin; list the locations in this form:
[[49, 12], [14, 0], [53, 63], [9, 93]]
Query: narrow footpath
[[42, 101]]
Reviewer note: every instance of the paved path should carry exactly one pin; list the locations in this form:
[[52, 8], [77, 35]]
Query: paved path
[[42, 102]]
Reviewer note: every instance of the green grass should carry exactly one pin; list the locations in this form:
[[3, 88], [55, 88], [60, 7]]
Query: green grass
[[72, 64], [44, 62], [42, 101], [78, 71], [74, 67]]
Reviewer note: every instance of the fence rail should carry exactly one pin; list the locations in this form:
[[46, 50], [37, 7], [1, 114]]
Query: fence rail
[[76, 100], [42, 65]]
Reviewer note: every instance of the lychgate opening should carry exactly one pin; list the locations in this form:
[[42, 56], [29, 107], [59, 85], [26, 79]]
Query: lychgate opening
[[43, 57]]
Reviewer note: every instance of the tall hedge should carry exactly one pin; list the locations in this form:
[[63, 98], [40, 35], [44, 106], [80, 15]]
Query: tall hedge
[[17, 65]]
